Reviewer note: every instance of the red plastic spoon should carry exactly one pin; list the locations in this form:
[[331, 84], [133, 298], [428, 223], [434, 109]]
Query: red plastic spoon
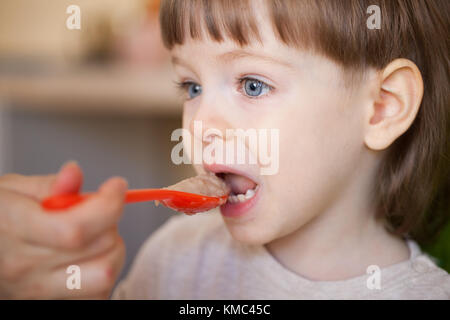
[[189, 203]]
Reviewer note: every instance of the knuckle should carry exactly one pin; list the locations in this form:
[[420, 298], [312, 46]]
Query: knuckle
[[73, 237]]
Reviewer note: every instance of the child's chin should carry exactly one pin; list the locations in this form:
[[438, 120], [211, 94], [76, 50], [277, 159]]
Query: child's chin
[[249, 233]]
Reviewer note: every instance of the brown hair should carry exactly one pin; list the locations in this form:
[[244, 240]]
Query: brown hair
[[412, 192]]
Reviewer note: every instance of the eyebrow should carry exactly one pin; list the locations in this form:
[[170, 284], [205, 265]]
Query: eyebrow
[[239, 54], [176, 60], [230, 56]]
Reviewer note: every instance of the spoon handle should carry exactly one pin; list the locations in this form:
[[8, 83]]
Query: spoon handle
[[64, 201]]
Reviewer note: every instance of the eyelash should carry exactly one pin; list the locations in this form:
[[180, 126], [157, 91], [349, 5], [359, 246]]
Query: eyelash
[[240, 81], [183, 86]]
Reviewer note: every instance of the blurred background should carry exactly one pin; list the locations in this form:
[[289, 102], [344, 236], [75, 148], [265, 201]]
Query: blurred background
[[102, 95]]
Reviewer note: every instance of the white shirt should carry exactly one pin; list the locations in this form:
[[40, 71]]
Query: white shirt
[[194, 257]]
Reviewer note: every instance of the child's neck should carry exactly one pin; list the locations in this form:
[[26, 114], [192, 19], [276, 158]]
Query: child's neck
[[339, 244]]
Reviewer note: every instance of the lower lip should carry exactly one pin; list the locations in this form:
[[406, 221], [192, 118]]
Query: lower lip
[[239, 209]]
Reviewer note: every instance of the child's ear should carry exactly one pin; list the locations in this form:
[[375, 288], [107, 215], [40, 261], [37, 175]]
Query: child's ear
[[397, 102]]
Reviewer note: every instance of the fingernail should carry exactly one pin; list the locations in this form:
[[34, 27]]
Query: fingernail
[[114, 185], [123, 184], [69, 163]]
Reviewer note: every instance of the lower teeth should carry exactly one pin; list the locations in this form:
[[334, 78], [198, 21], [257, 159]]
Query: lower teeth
[[233, 198]]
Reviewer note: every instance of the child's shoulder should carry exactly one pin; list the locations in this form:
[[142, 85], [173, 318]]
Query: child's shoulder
[[421, 279], [428, 275]]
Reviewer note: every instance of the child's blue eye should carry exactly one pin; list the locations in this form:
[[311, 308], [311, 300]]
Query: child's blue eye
[[193, 89], [254, 88]]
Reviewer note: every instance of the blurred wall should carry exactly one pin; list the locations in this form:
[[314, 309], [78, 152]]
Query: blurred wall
[[37, 28], [101, 96], [137, 148]]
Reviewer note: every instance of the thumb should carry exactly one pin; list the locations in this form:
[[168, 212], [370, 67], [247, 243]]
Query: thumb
[[68, 179]]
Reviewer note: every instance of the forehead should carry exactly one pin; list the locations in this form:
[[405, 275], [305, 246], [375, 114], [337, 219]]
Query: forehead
[[226, 30], [195, 52]]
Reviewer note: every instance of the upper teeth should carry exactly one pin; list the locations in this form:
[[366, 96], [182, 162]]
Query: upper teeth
[[233, 198]]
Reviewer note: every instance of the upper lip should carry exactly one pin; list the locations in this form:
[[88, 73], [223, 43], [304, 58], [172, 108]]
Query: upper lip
[[220, 168]]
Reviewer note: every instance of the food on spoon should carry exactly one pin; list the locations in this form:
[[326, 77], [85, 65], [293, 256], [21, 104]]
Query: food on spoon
[[206, 184]]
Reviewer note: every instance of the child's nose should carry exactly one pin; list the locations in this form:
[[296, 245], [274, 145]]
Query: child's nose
[[204, 129], [211, 118]]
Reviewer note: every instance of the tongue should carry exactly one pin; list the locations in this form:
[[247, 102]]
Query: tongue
[[239, 184]]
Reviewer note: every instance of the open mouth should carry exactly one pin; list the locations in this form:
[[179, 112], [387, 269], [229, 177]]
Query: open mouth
[[241, 188]]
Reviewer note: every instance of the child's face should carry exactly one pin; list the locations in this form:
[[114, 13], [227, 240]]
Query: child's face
[[272, 86]]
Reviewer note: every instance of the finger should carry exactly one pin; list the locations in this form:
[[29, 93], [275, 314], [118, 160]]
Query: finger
[[99, 212], [51, 258], [23, 217], [23, 260], [97, 276], [69, 179], [97, 247], [70, 229]]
